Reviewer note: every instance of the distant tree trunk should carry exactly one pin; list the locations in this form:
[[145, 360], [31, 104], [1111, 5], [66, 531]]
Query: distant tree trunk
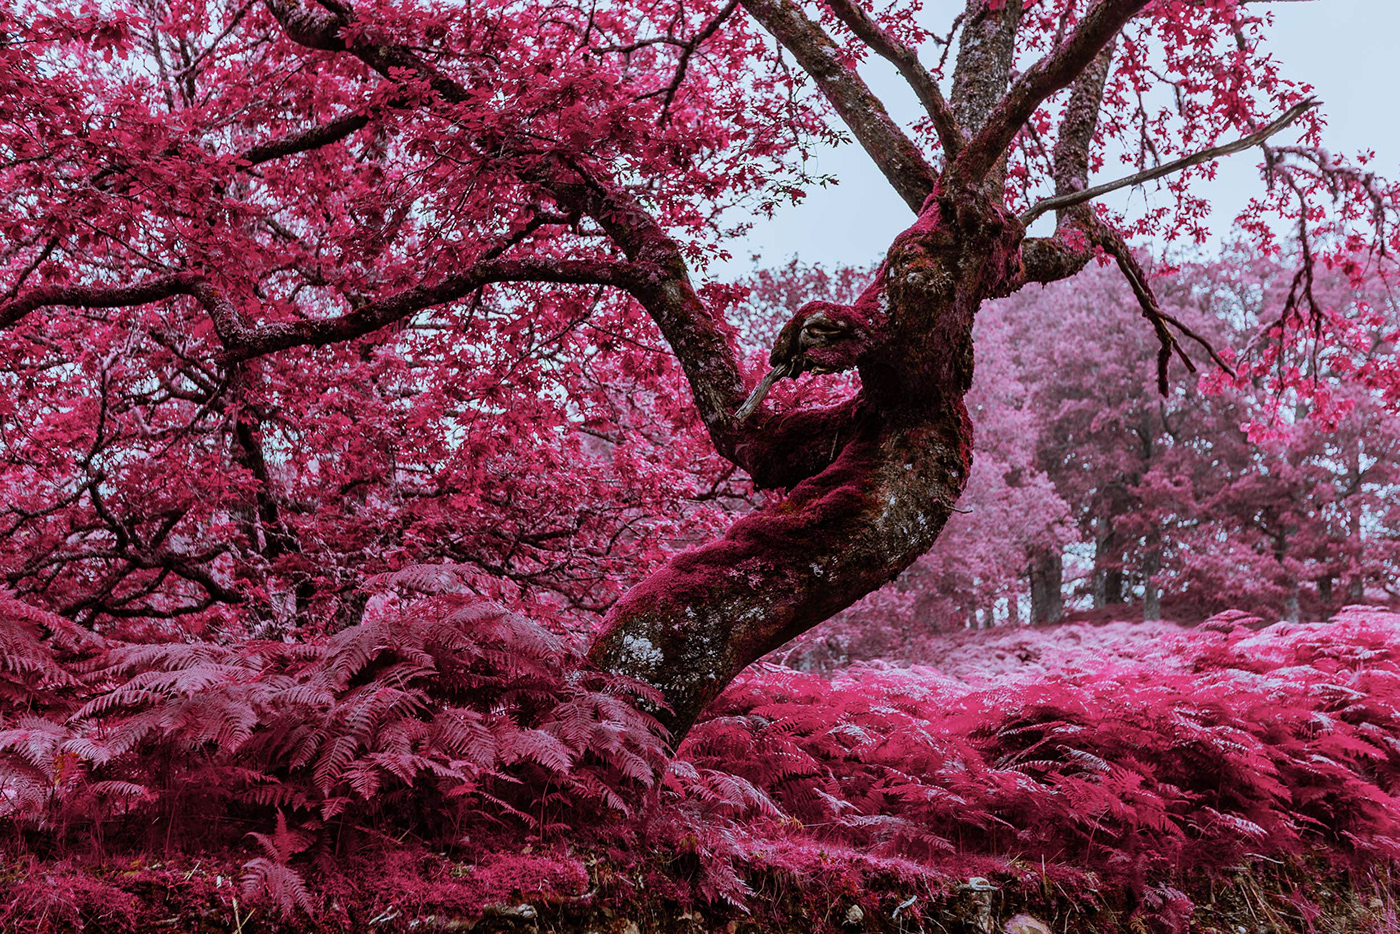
[[1100, 579], [1292, 608], [1047, 588], [1113, 584], [1356, 589], [1324, 590], [1151, 565], [1108, 565]]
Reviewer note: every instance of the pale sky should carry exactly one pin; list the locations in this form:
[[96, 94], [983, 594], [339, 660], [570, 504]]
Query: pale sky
[[1349, 50]]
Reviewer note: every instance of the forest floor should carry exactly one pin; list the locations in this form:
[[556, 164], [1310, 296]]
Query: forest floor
[[201, 896]]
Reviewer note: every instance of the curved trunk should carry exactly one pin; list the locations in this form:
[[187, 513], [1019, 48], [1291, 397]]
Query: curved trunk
[[690, 628]]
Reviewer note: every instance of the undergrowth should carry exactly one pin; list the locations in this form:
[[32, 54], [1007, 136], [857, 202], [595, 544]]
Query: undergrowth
[[447, 759]]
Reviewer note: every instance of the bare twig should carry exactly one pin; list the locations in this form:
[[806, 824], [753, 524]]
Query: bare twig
[[1113, 244], [29, 267], [687, 50], [1070, 199]]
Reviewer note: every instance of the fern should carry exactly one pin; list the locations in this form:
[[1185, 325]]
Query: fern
[[1113, 747], [281, 885]]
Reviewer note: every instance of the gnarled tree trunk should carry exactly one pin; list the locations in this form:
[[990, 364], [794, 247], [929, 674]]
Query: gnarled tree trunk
[[856, 525], [903, 457]]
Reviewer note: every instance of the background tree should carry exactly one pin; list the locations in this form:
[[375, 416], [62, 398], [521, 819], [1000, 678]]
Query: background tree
[[1220, 496]]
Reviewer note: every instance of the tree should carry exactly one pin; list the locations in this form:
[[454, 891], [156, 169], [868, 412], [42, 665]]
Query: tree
[[1235, 494], [225, 212], [1011, 522], [1285, 492]]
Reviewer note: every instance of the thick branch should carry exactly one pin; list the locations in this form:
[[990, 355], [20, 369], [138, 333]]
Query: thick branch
[[1053, 72], [314, 138], [1069, 199], [896, 156], [244, 344], [1050, 259], [321, 28], [1077, 127], [985, 53], [78, 296], [907, 61], [785, 449]]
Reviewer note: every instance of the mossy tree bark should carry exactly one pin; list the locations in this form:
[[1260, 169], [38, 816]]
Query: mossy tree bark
[[901, 451]]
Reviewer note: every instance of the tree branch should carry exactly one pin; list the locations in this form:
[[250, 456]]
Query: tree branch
[[313, 138], [914, 72], [244, 344], [985, 54], [44, 253], [1050, 259], [1062, 201], [78, 296], [1113, 244], [687, 50], [1077, 127], [1053, 72], [897, 157], [656, 273], [702, 340]]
